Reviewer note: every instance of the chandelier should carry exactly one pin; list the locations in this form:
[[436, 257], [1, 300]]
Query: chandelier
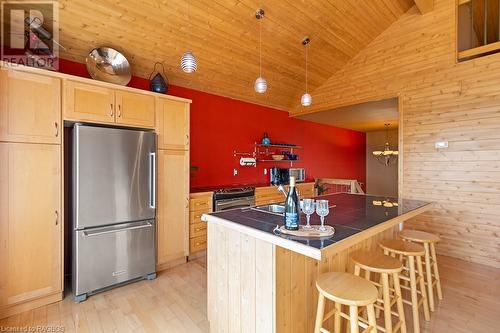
[[386, 156]]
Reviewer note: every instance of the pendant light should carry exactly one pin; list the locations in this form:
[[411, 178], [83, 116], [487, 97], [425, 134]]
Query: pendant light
[[306, 99], [261, 83], [386, 156], [188, 60]]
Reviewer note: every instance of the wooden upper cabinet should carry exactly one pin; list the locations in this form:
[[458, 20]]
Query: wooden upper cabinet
[[135, 109], [173, 205], [87, 102], [30, 107], [172, 124], [31, 221]]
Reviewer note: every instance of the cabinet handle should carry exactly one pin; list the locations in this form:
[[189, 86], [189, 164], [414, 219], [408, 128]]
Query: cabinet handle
[[111, 110], [57, 217], [187, 139], [57, 128], [119, 110]]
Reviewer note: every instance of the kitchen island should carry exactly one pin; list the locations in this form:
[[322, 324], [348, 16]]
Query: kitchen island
[[260, 281]]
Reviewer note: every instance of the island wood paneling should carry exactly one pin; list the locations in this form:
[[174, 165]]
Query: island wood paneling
[[415, 59], [241, 278], [296, 293], [256, 286]]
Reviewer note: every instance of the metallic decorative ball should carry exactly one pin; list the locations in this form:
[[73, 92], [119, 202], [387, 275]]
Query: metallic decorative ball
[[188, 62], [260, 85], [306, 100]]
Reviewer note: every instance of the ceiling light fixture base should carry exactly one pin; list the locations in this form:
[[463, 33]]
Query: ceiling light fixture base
[[259, 13]]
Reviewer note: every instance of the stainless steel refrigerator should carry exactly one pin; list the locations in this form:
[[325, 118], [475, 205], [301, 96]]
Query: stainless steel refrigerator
[[114, 195]]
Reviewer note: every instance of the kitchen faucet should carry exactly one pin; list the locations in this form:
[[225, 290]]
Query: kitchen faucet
[[281, 189]]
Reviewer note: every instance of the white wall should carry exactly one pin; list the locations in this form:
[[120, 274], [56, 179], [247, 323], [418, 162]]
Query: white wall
[[380, 179]]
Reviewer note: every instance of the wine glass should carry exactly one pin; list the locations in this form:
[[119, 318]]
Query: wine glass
[[322, 210], [308, 209]]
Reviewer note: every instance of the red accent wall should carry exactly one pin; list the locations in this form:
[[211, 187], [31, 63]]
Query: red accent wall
[[220, 125]]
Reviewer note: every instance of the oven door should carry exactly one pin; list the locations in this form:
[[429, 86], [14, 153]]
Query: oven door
[[226, 204]]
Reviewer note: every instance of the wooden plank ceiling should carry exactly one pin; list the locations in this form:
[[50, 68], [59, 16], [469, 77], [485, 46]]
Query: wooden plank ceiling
[[223, 34]]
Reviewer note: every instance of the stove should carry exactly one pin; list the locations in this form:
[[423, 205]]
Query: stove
[[231, 198]]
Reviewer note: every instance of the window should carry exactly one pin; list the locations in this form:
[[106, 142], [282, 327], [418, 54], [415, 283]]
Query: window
[[478, 28]]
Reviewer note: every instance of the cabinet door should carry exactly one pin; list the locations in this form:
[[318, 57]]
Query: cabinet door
[[172, 124], [30, 107], [135, 109], [31, 221], [172, 205], [87, 102]]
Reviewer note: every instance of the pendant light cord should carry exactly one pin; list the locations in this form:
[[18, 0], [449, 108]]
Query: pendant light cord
[[307, 46], [260, 47]]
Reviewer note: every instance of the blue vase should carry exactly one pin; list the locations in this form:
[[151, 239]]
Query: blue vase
[[265, 140]]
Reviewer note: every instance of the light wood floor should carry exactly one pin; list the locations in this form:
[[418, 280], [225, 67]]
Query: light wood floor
[[176, 302]]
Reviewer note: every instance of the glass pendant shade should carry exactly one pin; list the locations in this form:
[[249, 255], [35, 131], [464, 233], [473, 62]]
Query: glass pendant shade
[[260, 85], [188, 62], [306, 99]]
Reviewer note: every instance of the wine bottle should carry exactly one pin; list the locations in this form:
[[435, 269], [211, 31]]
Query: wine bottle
[[292, 207]]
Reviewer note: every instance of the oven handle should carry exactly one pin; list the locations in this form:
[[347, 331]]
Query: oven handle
[[230, 201], [234, 207]]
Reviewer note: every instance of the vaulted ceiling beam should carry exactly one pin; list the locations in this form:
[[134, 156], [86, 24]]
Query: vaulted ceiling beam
[[425, 6]]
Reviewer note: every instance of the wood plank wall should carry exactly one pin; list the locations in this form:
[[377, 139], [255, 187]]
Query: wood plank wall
[[415, 58]]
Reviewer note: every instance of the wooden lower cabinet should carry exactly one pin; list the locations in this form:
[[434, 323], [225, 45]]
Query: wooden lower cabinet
[[31, 224], [172, 206], [270, 195], [199, 204]]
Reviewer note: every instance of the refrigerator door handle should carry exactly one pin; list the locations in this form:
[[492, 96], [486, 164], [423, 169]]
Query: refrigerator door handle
[[113, 230], [152, 180]]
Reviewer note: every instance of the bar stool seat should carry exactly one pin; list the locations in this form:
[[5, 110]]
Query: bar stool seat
[[345, 289], [389, 269], [376, 262], [400, 247], [432, 279], [419, 236]]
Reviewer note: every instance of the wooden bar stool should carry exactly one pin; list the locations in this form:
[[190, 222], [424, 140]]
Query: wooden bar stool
[[409, 252], [431, 278], [388, 268], [350, 290]]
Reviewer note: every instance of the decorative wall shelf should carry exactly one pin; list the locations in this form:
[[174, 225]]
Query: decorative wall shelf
[[262, 153]]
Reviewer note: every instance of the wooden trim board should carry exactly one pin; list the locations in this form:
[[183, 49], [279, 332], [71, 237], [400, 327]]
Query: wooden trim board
[[22, 68]]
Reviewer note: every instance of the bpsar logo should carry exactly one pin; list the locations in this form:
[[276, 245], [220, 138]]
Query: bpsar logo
[[30, 33]]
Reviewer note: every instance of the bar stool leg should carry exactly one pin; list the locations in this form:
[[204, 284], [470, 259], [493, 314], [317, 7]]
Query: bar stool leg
[[353, 318], [380, 295], [320, 313], [336, 318], [414, 299], [372, 321], [387, 303], [436, 272], [428, 272], [399, 302], [427, 315], [357, 270]]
